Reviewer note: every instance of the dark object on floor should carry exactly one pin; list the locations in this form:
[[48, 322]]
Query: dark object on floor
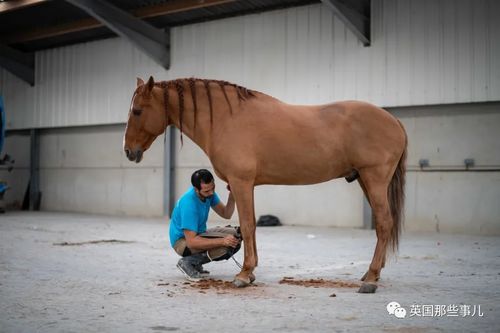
[[268, 221], [113, 241]]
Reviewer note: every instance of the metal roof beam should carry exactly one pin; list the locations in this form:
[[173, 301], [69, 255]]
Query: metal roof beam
[[171, 7], [153, 41], [356, 16], [7, 6], [176, 6], [18, 63]]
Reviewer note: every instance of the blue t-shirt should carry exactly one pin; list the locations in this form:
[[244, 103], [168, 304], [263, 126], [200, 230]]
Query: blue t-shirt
[[190, 213]]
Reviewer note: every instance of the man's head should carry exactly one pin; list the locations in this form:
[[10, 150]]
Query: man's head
[[203, 182]]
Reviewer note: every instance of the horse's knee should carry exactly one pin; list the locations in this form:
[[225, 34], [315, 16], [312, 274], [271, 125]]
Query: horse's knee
[[383, 221], [383, 228]]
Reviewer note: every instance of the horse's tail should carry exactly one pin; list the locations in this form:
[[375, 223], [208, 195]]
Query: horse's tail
[[396, 194]]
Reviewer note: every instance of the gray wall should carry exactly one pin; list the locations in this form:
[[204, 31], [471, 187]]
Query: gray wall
[[453, 200], [17, 145], [84, 169]]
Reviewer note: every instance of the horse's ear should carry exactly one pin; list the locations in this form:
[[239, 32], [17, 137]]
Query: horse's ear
[[140, 82], [151, 83]]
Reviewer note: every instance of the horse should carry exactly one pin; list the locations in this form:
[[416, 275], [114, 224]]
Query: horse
[[253, 139]]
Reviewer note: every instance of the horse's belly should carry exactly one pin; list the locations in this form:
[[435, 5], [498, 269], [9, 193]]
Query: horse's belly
[[294, 172]]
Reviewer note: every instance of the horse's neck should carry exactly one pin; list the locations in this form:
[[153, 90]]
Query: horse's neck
[[193, 107], [197, 106]]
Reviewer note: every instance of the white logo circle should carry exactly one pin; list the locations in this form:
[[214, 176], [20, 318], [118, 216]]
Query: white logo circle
[[392, 306], [400, 313]]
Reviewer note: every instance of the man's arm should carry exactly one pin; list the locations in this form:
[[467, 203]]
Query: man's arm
[[227, 210], [197, 242]]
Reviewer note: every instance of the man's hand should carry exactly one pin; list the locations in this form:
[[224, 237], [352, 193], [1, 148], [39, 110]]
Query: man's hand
[[227, 210], [230, 241]]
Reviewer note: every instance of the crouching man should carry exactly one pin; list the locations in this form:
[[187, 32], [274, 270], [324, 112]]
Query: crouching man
[[188, 227]]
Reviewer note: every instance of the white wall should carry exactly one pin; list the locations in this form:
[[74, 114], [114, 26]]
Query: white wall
[[84, 170], [453, 201], [423, 52], [457, 202], [447, 134]]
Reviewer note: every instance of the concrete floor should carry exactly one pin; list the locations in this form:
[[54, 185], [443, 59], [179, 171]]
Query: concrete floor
[[135, 287]]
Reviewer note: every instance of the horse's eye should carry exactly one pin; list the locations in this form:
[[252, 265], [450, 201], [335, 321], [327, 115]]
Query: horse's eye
[[136, 112]]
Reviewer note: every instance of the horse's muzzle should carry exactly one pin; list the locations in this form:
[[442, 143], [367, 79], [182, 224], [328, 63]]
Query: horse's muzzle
[[134, 156]]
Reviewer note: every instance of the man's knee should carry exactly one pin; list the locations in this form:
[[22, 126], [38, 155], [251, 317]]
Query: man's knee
[[180, 246], [222, 253], [183, 250], [216, 254], [221, 232]]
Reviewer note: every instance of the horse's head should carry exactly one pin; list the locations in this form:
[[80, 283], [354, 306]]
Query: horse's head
[[146, 119]]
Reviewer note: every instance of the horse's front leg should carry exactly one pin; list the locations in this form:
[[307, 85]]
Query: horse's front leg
[[243, 195]]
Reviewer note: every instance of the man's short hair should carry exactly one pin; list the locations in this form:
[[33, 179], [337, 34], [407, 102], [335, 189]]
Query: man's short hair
[[202, 175]]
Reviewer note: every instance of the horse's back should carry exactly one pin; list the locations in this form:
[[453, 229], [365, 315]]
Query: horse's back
[[371, 133], [360, 111]]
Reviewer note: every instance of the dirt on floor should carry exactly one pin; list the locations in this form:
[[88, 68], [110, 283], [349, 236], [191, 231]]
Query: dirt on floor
[[103, 241], [213, 284], [320, 283]]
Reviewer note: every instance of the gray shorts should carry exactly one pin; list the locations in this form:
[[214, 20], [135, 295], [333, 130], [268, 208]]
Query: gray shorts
[[217, 253]]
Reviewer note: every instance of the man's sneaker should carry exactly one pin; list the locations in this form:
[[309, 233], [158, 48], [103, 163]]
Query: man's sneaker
[[188, 270], [203, 273]]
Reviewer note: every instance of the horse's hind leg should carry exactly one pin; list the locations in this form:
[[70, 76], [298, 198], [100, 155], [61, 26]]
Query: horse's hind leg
[[375, 184], [363, 187]]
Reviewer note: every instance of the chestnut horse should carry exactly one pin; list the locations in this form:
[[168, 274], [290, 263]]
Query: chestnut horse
[[253, 139]]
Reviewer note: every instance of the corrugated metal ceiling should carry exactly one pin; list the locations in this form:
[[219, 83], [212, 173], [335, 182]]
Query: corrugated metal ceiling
[[39, 24]]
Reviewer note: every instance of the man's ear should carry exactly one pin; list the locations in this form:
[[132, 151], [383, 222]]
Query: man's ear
[[140, 82], [150, 84]]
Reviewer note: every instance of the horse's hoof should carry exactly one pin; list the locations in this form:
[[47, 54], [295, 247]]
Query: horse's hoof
[[367, 288], [240, 283]]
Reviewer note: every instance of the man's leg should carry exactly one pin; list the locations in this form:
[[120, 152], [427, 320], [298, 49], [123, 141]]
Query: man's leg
[[191, 263], [223, 252], [188, 265], [192, 260]]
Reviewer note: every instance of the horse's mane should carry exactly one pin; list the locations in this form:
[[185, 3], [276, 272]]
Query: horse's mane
[[180, 85]]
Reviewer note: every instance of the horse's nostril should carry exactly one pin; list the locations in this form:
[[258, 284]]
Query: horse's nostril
[[127, 152], [131, 156], [139, 156]]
